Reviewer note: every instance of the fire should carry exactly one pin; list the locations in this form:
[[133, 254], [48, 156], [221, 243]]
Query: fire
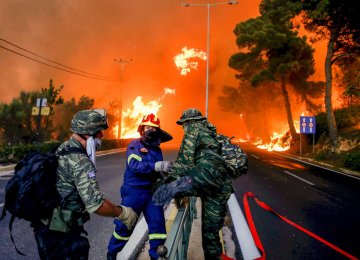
[[278, 142], [184, 61], [132, 117]]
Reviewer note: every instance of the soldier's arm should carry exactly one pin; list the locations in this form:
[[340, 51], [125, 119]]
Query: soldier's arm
[[107, 209]]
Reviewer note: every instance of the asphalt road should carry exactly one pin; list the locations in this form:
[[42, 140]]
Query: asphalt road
[[324, 202]]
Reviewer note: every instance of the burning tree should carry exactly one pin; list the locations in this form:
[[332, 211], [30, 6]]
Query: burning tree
[[271, 52], [338, 23]]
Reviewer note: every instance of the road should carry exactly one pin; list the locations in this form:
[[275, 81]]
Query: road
[[324, 202]]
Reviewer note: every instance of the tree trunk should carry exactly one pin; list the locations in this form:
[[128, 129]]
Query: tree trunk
[[333, 131], [288, 110]]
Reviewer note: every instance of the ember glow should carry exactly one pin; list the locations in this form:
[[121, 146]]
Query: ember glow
[[185, 60], [132, 117]]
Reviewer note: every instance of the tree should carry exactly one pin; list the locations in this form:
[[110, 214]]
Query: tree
[[272, 51], [65, 113], [337, 23], [16, 122]]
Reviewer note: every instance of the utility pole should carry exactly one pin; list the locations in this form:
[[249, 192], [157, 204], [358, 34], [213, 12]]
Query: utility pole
[[123, 63]]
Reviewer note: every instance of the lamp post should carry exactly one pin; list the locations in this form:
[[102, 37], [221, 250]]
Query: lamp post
[[122, 63], [208, 5]]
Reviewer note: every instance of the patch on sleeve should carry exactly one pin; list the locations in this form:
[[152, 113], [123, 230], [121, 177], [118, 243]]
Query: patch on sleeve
[[143, 150], [91, 174]]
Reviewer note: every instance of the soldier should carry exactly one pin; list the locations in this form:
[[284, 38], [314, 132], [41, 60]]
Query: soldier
[[143, 166], [61, 237], [202, 174]]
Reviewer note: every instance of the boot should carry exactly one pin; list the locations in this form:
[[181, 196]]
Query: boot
[[166, 192]]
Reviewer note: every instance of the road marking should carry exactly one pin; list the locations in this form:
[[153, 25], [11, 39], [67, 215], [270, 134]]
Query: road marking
[[328, 169], [312, 184], [117, 151], [8, 174], [1, 205], [257, 157]]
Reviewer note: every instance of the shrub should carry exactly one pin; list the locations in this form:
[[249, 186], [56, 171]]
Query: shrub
[[352, 161]]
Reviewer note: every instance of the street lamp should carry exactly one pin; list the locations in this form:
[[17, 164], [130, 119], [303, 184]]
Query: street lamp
[[208, 43], [122, 63]]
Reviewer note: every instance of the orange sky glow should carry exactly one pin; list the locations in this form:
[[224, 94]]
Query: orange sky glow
[[91, 35]]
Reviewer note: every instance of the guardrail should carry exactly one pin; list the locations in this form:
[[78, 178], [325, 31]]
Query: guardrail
[[177, 242]]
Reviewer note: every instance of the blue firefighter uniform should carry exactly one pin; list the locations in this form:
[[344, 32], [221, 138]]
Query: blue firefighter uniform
[[136, 192]]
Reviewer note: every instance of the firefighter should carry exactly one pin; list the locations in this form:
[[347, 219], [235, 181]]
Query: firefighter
[[144, 162]]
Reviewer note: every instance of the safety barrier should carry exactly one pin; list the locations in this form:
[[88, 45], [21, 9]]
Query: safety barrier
[[177, 242]]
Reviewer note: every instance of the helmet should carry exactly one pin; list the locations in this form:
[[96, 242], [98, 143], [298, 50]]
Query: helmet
[[190, 114], [89, 121], [150, 120]]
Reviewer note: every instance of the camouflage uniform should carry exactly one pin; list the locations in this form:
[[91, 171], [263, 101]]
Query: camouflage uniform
[[210, 178], [79, 192]]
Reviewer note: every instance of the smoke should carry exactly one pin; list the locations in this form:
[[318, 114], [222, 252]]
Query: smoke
[[90, 35]]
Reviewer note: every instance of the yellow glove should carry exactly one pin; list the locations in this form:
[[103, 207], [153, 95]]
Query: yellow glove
[[128, 217]]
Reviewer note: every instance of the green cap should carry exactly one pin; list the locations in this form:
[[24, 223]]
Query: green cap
[[190, 114], [89, 121]]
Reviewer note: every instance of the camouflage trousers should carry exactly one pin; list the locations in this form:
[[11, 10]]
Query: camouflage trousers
[[58, 245], [214, 187]]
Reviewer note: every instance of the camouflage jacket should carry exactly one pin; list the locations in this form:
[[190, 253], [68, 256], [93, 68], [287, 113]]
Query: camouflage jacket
[[210, 170], [76, 176], [199, 135]]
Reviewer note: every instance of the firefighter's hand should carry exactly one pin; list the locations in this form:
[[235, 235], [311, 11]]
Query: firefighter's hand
[[128, 217], [163, 166]]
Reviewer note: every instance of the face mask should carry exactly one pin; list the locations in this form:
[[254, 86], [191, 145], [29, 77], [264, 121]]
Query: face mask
[[150, 135]]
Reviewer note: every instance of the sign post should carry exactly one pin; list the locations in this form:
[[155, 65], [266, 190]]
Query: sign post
[[308, 126], [38, 110]]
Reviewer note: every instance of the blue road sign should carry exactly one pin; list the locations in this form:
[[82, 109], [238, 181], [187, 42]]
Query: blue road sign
[[307, 125]]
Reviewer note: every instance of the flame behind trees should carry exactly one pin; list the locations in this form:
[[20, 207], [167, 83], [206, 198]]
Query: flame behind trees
[[272, 54], [338, 23]]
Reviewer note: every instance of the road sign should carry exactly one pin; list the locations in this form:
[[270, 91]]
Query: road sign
[[41, 102], [45, 111], [307, 125]]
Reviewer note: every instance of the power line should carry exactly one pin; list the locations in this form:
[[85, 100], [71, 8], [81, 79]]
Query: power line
[[91, 75], [44, 63]]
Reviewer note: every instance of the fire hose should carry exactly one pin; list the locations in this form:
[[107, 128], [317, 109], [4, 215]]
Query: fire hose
[[268, 208]]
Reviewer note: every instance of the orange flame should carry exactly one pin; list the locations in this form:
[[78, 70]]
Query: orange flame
[[184, 61], [278, 142], [132, 117]]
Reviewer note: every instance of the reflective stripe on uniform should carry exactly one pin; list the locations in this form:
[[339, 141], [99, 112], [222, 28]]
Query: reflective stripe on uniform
[[135, 156], [157, 236], [118, 237]]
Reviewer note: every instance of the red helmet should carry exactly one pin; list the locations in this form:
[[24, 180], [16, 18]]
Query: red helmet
[[150, 120]]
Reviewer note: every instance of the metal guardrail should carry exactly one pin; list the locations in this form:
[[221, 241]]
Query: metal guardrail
[[177, 242]]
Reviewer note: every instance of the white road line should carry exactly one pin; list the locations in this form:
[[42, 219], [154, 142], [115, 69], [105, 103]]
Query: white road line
[[6, 173], [1, 205], [328, 169], [300, 178], [257, 157]]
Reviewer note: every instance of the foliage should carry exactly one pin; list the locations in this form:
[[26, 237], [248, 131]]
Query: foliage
[[13, 153], [272, 53], [19, 126], [65, 113], [337, 22], [352, 160]]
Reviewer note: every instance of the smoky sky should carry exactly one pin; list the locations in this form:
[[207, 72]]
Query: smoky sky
[[90, 34]]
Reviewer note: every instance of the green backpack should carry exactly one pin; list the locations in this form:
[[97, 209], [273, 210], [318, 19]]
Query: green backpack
[[234, 157]]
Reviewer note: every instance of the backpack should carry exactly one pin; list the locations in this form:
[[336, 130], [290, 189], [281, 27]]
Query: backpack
[[234, 157], [31, 193]]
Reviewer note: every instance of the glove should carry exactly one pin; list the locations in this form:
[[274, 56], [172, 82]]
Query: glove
[[163, 166], [128, 217]]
